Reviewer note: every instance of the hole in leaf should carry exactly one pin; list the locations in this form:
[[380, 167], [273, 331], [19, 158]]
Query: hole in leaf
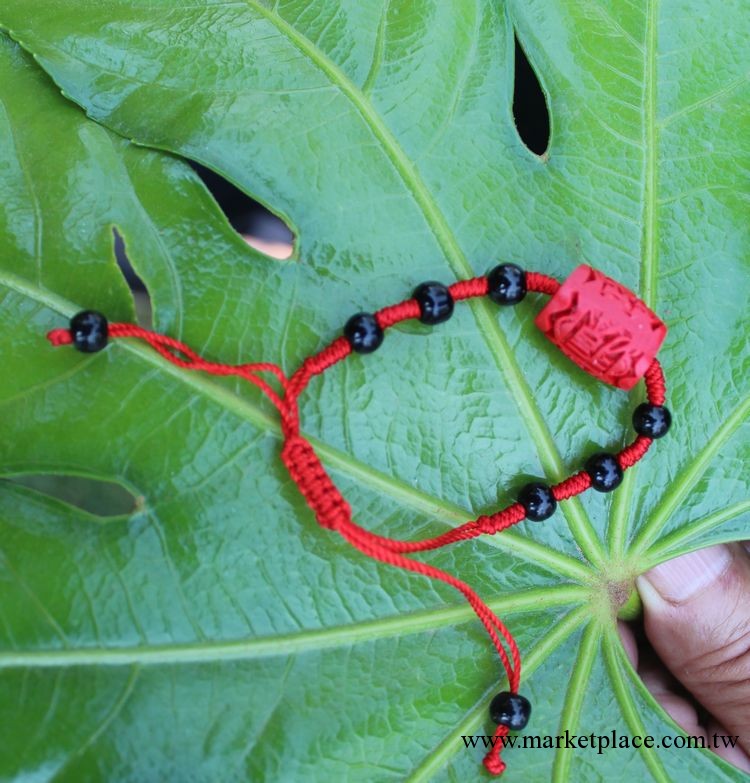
[[143, 309], [530, 110], [96, 496], [258, 226]]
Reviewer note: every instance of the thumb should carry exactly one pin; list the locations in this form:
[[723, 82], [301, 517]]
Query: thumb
[[697, 618]]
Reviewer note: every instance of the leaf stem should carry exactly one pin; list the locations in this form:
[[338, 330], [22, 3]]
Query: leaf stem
[[622, 502], [293, 643], [686, 480], [628, 707], [671, 544], [571, 710]]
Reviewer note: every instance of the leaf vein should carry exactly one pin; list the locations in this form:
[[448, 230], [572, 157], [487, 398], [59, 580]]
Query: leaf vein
[[296, 642]]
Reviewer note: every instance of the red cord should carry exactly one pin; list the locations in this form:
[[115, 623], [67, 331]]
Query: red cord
[[332, 510]]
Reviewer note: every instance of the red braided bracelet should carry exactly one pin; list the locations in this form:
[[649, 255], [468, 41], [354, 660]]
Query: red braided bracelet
[[594, 320]]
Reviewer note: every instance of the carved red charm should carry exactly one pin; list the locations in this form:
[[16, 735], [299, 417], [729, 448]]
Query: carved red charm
[[603, 327]]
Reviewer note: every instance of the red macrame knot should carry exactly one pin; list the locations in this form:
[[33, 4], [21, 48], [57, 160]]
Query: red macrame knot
[[321, 494], [494, 523], [573, 485], [632, 453], [656, 387]]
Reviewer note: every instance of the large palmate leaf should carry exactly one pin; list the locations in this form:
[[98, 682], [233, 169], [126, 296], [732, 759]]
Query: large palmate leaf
[[216, 633]]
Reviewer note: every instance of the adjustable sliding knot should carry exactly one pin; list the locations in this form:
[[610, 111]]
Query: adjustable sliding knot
[[330, 508], [594, 320]]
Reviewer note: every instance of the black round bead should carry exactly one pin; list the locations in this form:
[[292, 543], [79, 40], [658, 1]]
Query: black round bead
[[363, 333], [651, 421], [507, 284], [538, 501], [605, 471], [89, 331], [435, 302], [511, 710]]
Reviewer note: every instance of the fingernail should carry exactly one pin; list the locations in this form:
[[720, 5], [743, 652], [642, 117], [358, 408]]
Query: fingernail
[[685, 576]]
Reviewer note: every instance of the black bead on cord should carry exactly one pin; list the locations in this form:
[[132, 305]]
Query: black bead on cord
[[435, 302], [511, 710], [89, 331]]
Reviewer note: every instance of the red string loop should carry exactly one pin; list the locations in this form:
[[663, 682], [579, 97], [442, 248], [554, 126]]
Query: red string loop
[[331, 509]]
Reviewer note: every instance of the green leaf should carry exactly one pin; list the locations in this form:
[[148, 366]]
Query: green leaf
[[216, 633]]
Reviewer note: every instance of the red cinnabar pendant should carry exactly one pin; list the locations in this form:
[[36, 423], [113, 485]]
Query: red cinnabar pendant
[[603, 327]]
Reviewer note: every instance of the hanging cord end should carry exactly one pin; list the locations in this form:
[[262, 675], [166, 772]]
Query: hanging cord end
[[492, 761], [60, 337], [509, 710]]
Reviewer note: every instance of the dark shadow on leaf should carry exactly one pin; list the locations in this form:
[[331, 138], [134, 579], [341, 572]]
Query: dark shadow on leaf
[[95, 496]]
